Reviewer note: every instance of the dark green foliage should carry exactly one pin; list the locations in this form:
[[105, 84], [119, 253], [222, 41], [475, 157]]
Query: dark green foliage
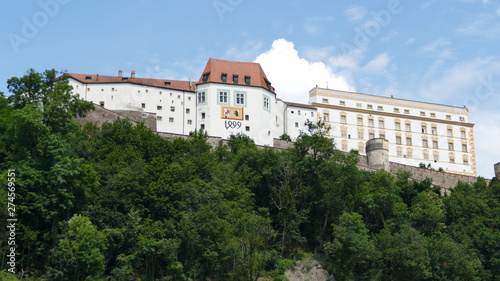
[[121, 203]]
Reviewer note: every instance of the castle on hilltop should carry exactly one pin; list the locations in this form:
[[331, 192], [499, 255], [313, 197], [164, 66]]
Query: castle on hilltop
[[237, 97]]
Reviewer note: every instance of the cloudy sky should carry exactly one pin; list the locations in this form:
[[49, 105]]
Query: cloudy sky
[[442, 51]]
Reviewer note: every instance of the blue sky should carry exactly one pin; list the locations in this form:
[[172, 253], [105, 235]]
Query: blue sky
[[441, 51]]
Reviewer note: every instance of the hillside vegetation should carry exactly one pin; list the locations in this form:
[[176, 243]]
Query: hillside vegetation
[[121, 203]]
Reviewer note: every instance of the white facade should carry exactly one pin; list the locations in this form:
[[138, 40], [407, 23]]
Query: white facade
[[236, 97], [175, 109], [418, 132], [225, 109]]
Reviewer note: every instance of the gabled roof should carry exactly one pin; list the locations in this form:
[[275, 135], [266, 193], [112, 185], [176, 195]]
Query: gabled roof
[[160, 83], [294, 104], [216, 69]]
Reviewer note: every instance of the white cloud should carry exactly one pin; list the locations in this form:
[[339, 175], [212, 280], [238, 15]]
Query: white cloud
[[486, 134], [410, 41], [293, 77], [356, 13], [378, 64], [314, 25]]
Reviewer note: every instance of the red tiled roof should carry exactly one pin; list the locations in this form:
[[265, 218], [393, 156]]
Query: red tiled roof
[[160, 83], [215, 68]]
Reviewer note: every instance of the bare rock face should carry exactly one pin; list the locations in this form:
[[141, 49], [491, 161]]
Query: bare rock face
[[312, 271]]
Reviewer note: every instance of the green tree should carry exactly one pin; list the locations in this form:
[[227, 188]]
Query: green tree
[[352, 252], [79, 252]]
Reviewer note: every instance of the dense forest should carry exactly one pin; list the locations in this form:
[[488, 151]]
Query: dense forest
[[121, 203]]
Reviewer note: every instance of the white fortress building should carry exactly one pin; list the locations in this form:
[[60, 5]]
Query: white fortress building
[[237, 97]]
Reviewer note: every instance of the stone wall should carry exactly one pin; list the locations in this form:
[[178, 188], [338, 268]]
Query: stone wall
[[497, 170]]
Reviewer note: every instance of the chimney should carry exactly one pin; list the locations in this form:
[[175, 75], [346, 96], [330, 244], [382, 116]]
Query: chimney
[[132, 75], [120, 73]]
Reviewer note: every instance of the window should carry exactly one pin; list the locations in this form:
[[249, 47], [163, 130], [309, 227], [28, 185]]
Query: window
[[343, 133], [424, 129], [382, 136], [464, 147], [247, 117], [448, 117], [436, 156], [189, 121], [343, 119], [398, 140], [101, 103], [370, 122], [396, 110], [312, 114], [380, 108], [361, 148], [88, 77], [171, 119], [450, 146], [240, 98], [296, 124], [202, 97], [325, 100], [358, 104], [326, 117], [409, 153], [449, 132], [223, 78], [342, 102], [222, 96], [452, 159], [247, 80], [408, 127], [434, 130], [344, 146], [266, 103], [369, 106], [203, 115], [397, 126], [422, 113], [462, 134], [172, 108], [381, 123], [247, 128], [159, 118], [188, 110], [425, 143], [360, 121], [433, 115], [202, 126], [360, 135], [435, 145], [159, 107], [205, 77], [461, 118], [408, 141], [235, 79], [292, 112], [298, 112], [178, 97], [407, 111], [371, 135], [399, 152], [143, 105], [426, 155], [466, 160]]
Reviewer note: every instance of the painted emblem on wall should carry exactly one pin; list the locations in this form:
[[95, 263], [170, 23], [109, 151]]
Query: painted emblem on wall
[[232, 112]]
